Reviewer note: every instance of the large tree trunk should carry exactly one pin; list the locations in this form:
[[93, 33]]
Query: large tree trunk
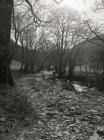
[[6, 7]]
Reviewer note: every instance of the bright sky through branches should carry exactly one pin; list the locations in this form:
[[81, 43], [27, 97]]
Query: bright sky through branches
[[85, 8], [79, 5]]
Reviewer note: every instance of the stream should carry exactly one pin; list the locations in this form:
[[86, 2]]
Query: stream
[[79, 87]]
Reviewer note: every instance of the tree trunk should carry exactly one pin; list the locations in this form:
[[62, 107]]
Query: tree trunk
[[71, 69], [22, 57], [6, 7], [26, 61], [80, 68], [71, 72], [60, 72], [33, 60]]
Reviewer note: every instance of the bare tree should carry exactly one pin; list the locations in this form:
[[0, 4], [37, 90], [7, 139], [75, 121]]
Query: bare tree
[[63, 27], [74, 52]]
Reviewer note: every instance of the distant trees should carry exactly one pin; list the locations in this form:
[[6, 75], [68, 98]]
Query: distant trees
[[24, 27], [6, 8], [92, 44], [63, 34], [57, 40], [91, 57], [52, 40], [61, 28], [27, 41]]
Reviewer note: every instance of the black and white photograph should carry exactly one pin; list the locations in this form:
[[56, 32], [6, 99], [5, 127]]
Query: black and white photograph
[[51, 69]]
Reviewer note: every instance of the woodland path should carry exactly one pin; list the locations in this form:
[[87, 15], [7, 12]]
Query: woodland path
[[63, 114]]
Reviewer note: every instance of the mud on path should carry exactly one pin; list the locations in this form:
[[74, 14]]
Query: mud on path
[[63, 114]]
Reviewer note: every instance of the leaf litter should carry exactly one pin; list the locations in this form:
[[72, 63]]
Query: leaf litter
[[63, 114]]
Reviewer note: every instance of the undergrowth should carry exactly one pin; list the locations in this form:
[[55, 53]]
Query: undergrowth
[[15, 109]]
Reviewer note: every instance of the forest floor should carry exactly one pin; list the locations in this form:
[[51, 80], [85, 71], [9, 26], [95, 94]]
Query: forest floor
[[55, 113]]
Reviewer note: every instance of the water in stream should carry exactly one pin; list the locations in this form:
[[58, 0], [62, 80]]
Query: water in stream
[[79, 88]]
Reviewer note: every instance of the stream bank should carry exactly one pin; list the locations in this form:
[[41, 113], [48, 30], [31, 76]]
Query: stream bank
[[90, 80]]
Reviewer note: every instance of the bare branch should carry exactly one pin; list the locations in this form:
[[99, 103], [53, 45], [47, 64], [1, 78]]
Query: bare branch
[[91, 41], [94, 32], [36, 18]]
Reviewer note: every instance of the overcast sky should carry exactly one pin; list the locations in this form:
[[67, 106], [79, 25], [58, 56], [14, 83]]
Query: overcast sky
[[85, 8], [79, 5]]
